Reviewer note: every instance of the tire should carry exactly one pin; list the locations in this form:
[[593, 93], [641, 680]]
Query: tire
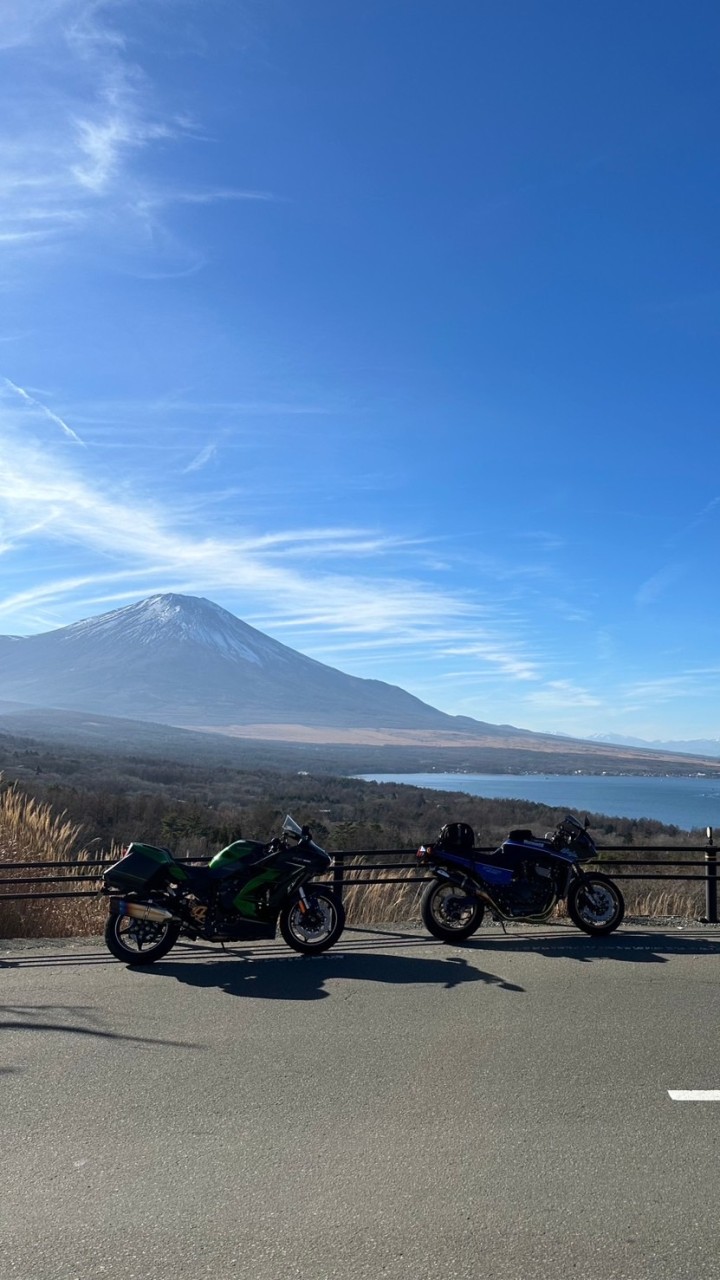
[[448, 913], [137, 942], [314, 931], [596, 905]]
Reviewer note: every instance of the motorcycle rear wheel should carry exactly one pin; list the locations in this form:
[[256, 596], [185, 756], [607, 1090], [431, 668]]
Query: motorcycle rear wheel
[[449, 914], [316, 929], [137, 942], [596, 905]]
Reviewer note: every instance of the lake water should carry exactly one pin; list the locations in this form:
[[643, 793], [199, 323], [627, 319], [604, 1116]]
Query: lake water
[[683, 802]]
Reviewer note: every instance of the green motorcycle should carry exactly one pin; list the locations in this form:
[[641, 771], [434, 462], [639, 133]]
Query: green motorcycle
[[248, 891]]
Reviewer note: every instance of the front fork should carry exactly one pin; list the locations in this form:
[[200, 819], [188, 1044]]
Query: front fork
[[577, 877]]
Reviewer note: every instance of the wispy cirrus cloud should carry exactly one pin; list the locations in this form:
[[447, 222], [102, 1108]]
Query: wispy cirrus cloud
[[654, 587], [562, 696], [126, 412], [21, 25], [693, 682], [66, 140], [696, 523], [151, 541], [160, 200], [510, 662], [79, 112], [102, 145]]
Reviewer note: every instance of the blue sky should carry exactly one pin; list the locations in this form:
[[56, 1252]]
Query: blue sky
[[390, 326]]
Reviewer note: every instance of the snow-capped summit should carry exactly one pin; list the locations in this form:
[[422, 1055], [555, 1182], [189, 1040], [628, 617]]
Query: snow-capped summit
[[178, 619]]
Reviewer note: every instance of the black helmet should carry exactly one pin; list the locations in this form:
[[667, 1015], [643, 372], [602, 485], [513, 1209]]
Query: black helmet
[[456, 835]]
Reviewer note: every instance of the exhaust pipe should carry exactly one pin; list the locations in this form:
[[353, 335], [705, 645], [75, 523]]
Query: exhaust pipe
[[140, 911], [468, 887]]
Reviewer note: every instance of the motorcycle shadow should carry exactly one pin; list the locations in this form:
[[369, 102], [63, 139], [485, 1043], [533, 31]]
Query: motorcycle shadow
[[636, 948], [301, 978]]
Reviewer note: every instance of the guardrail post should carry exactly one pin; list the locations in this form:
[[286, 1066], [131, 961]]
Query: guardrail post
[[711, 914], [339, 875]]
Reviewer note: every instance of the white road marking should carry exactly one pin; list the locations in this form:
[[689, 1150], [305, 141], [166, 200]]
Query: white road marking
[[695, 1095]]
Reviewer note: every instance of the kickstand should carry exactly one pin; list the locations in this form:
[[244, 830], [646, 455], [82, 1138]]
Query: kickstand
[[231, 952], [499, 920]]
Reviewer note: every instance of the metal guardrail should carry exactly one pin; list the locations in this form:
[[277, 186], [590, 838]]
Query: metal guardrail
[[351, 868]]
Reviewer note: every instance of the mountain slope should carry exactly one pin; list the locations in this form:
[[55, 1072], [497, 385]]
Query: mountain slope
[[186, 661]]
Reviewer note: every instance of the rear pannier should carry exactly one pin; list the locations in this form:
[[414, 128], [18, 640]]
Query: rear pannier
[[138, 868]]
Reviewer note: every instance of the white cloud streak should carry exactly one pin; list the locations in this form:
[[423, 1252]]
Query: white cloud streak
[[212, 196], [48, 413], [201, 459]]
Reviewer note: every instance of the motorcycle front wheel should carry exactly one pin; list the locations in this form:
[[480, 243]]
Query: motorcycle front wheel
[[596, 905], [316, 928], [448, 913], [139, 941]]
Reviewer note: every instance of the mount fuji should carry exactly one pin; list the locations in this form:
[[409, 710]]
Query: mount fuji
[[184, 661]]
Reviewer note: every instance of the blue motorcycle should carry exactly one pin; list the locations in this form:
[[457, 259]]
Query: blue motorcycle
[[523, 880]]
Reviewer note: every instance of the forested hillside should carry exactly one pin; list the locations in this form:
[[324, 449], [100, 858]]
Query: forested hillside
[[198, 808]]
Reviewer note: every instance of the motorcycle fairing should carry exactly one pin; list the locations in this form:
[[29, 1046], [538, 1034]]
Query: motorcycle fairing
[[252, 896]]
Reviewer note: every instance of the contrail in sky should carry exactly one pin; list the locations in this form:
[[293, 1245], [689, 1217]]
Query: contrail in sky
[[202, 458], [20, 391]]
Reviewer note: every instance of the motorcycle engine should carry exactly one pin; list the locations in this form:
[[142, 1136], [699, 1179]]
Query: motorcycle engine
[[220, 924], [532, 893], [226, 894]]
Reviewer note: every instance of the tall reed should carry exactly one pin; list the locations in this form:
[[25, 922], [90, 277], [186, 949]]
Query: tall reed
[[31, 832]]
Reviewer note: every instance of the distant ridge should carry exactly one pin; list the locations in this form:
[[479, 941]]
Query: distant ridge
[[690, 746]]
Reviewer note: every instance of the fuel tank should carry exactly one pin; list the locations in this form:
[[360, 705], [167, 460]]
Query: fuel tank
[[513, 853], [239, 854]]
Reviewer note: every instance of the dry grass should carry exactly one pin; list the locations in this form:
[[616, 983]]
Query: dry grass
[[400, 903], [31, 832], [384, 903], [685, 901]]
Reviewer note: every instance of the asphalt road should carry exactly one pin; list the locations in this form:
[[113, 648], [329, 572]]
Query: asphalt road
[[397, 1108]]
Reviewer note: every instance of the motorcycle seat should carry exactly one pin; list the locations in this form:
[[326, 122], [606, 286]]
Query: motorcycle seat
[[200, 876]]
